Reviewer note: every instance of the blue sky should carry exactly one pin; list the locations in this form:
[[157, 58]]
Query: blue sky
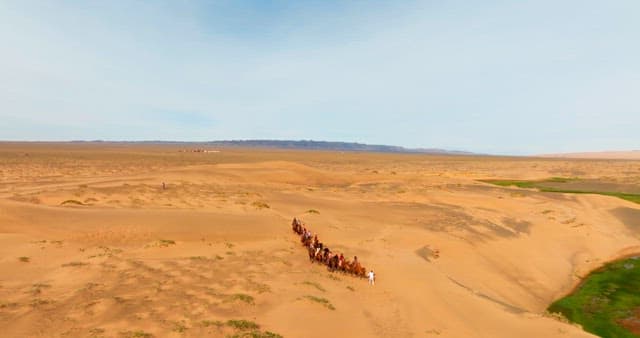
[[504, 77]]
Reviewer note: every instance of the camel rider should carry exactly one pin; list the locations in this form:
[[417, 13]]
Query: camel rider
[[341, 259], [315, 240]]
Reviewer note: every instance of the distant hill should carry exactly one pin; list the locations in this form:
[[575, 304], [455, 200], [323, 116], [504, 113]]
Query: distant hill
[[301, 145], [610, 155], [326, 145]]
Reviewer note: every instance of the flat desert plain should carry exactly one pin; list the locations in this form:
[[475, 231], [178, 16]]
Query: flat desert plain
[[91, 245]]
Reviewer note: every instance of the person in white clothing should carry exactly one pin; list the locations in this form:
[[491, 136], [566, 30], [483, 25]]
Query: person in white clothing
[[372, 278]]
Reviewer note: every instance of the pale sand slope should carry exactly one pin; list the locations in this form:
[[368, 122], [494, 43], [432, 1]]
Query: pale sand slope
[[101, 269], [613, 155]]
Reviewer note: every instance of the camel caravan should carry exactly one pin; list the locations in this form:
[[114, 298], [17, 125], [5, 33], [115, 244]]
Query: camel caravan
[[319, 253]]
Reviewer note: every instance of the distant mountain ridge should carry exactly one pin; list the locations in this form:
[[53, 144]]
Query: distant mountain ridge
[[301, 145], [329, 145]]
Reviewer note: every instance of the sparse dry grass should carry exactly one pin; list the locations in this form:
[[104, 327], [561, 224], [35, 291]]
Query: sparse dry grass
[[161, 243], [241, 297], [323, 301], [315, 285], [74, 264], [242, 324], [135, 334], [208, 323]]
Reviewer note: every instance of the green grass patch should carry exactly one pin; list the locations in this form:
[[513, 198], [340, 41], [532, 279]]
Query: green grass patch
[[539, 185], [607, 303], [322, 301], [313, 211], [24, 259]]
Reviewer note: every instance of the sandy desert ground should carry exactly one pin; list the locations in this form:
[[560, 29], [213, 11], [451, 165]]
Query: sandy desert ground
[[92, 246], [612, 155]]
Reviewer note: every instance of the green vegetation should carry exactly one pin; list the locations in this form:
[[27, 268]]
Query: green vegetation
[[532, 184], [24, 259], [541, 187], [607, 303], [322, 301], [313, 211]]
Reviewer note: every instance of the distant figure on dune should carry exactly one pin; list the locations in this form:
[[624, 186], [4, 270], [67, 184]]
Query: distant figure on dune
[[372, 278], [164, 186]]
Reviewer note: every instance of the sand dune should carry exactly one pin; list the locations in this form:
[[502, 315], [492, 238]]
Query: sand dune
[[92, 245]]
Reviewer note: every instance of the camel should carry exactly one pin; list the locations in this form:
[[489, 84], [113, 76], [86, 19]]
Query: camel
[[321, 254], [312, 254], [333, 262]]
